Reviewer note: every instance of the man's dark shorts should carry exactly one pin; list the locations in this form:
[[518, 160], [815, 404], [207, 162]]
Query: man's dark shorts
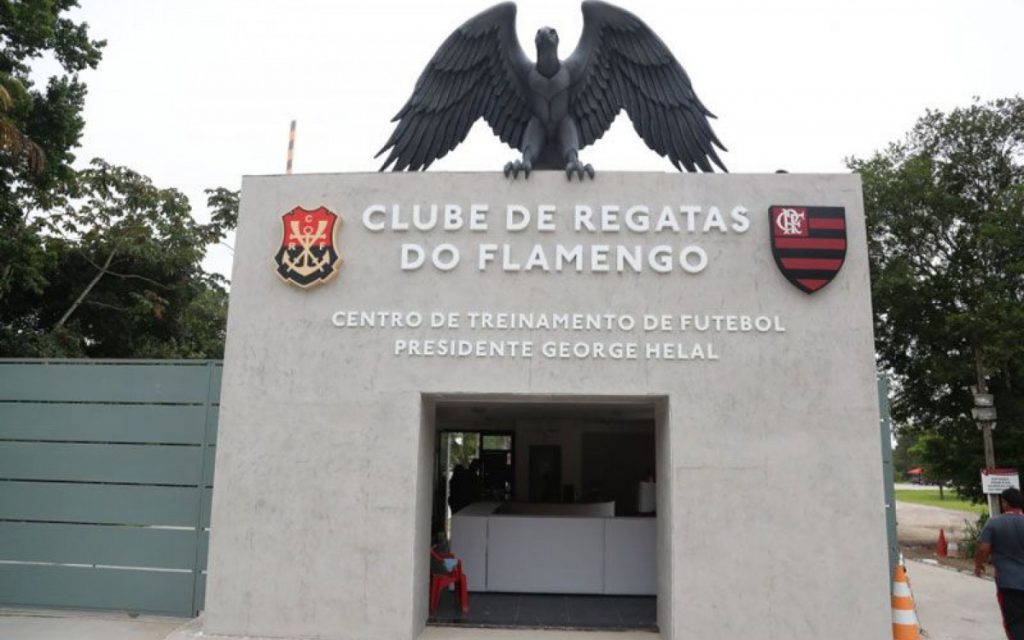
[[1011, 602]]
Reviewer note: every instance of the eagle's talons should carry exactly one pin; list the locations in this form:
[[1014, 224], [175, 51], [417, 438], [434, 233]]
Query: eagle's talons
[[578, 168], [513, 168]]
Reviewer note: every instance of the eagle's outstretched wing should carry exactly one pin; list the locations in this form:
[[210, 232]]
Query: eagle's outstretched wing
[[621, 64], [479, 71]]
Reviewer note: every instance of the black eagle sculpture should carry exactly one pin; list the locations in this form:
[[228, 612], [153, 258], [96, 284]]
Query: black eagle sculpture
[[552, 109]]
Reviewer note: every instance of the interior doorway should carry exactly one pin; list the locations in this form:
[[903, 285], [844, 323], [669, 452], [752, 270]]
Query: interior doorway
[[472, 466], [546, 474], [551, 506]]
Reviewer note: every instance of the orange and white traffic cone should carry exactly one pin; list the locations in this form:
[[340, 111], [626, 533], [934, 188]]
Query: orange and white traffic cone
[[941, 547], [904, 620]]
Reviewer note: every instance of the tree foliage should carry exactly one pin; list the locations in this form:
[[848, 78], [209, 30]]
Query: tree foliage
[[50, 117], [95, 262], [122, 276], [945, 217], [13, 142]]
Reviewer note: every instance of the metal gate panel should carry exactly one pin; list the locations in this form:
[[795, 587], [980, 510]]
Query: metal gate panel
[[78, 422], [89, 462], [110, 545], [106, 475], [79, 503], [79, 587], [151, 382]]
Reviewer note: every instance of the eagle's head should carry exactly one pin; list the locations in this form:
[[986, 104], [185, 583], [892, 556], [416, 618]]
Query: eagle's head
[[547, 38]]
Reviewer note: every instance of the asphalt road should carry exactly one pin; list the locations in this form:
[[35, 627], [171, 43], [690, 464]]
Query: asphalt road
[[920, 524], [952, 605]]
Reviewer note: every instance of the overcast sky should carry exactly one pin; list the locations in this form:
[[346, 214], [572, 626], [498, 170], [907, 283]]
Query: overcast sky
[[197, 93]]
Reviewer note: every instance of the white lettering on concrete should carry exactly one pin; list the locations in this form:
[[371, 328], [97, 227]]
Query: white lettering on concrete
[[686, 259], [413, 257], [529, 334], [638, 219], [546, 217], [607, 219], [478, 217], [740, 221], [517, 217], [583, 218], [370, 222], [445, 257]]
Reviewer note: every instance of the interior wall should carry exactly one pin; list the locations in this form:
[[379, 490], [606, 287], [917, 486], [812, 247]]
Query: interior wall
[[569, 434], [612, 464], [545, 432]]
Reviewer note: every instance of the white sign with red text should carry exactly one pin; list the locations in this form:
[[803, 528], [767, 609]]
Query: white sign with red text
[[998, 480]]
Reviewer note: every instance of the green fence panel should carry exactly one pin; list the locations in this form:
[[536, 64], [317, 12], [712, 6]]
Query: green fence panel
[[203, 552], [214, 420], [97, 588], [210, 458], [75, 422], [148, 383], [216, 371], [123, 546], [106, 475], [200, 590], [98, 503], [130, 463], [205, 505]]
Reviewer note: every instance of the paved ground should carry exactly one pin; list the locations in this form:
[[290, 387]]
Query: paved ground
[[192, 632], [449, 633], [952, 605], [42, 624], [918, 523]]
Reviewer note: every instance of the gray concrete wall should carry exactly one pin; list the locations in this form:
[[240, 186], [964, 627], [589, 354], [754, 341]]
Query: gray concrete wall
[[665, 514], [770, 501], [424, 505]]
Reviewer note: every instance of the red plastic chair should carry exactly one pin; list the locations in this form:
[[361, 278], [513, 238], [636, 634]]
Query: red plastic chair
[[439, 581]]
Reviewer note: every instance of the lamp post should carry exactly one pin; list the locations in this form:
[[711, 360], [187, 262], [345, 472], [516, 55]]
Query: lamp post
[[984, 413]]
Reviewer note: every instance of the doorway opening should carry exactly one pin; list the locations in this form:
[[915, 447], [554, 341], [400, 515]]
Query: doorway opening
[[551, 505]]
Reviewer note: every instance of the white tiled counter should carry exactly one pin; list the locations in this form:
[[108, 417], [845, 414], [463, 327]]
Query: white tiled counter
[[571, 548]]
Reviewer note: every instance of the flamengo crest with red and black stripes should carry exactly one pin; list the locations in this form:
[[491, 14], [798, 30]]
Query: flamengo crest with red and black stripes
[[809, 243]]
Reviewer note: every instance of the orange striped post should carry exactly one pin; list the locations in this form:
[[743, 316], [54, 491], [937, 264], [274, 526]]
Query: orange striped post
[[291, 149], [904, 619]]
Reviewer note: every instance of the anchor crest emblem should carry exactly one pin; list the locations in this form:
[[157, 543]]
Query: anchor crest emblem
[[308, 255]]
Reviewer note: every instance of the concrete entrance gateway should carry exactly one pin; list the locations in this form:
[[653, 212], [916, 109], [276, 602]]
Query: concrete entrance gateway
[[352, 339]]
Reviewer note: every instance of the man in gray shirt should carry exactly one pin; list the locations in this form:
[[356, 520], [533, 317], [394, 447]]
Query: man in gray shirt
[[1002, 540]]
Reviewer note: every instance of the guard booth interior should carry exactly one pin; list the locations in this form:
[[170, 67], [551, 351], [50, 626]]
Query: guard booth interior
[[550, 505]]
